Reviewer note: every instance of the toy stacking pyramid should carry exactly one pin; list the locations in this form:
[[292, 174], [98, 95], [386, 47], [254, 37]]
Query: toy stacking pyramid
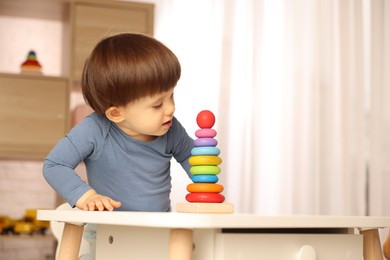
[[205, 193], [31, 65]]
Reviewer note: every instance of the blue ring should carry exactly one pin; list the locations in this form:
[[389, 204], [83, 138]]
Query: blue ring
[[205, 178], [205, 150]]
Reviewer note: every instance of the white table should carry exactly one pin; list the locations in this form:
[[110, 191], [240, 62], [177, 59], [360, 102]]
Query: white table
[[225, 231]]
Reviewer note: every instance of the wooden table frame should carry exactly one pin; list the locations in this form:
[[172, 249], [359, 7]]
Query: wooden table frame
[[181, 227]]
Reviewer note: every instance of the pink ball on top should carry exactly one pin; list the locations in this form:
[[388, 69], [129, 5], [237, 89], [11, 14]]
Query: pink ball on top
[[205, 119]]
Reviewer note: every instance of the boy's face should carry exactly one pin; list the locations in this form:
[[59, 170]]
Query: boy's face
[[147, 117]]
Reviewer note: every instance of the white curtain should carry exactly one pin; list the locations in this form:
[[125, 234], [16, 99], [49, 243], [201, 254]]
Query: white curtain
[[288, 83], [379, 80], [298, 144]]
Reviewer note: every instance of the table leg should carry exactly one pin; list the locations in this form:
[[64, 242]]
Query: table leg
[[386, 247], [372, 249], [70, 242], [180, 244]]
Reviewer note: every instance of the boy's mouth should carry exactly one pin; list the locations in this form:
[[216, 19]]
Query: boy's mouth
[[168, 123]]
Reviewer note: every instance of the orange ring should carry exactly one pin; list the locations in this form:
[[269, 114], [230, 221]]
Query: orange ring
[[205, 187], [205, 160]]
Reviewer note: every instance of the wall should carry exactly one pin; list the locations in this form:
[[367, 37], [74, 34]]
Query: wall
[[31, 248], [20, 35], [22, 186]]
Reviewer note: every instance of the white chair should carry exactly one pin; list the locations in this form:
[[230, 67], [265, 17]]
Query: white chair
[[58, 227]]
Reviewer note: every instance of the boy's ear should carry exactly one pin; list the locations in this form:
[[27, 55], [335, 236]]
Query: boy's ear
[[114, 114]]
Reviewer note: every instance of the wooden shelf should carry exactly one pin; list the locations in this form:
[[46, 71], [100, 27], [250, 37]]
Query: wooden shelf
[[93, 20], [35, 109], [40, 9], [34, 114]]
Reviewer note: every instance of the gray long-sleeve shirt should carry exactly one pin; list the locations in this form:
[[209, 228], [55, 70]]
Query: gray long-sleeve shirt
[[130, 171]]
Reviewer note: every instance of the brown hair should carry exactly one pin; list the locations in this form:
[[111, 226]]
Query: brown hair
[[125, 67]]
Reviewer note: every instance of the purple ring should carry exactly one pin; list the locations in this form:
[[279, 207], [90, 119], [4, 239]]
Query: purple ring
[[205, 142]]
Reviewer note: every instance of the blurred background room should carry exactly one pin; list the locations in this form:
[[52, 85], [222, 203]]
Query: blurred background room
[[298, 88]]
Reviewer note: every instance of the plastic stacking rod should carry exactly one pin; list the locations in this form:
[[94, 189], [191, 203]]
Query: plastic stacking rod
[[205, 187], [205, 169], [204, 160]]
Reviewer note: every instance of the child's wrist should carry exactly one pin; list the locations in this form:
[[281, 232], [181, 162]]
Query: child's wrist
[[84, 197]]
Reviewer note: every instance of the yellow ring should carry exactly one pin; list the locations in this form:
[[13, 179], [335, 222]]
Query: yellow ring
[[205, 160]]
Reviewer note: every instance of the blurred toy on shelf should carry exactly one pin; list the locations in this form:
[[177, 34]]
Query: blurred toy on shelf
[[31, 66], [6, 225], [27, 225]]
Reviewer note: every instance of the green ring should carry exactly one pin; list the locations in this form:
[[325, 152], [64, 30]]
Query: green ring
[[205, 169]]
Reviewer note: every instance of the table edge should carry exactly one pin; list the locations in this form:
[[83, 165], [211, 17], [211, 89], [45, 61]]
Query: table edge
[[205, 221]]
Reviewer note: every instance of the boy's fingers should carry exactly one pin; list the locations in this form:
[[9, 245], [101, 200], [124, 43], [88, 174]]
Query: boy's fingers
[[107, 204], [101, 203], [115, 202], [91, 206]]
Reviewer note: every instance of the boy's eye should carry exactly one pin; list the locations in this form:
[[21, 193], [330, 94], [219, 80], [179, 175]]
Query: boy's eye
[[158, 106]]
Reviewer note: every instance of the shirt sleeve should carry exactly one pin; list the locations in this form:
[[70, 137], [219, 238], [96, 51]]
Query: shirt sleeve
[[182, 146], [59, 166]]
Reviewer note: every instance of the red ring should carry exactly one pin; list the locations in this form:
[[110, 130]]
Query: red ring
[[205, 197]]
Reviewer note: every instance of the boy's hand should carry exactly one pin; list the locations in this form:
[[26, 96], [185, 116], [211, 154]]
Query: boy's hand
[[92, 201]]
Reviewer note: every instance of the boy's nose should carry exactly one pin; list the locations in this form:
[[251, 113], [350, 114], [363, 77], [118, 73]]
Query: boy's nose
[[170, 109]]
